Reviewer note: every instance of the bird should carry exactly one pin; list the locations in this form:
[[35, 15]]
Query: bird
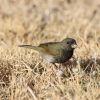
[[55, 52]]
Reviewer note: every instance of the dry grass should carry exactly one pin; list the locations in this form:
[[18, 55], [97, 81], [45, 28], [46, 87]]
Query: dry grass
[[23, 74]]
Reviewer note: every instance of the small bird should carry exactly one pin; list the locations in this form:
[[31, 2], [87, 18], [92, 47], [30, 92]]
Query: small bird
[[55, 52]]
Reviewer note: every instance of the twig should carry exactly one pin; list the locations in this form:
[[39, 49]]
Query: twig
[[32, 93]]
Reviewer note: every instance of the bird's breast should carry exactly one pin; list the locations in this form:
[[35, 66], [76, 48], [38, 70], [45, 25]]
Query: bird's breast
[[65, 56]]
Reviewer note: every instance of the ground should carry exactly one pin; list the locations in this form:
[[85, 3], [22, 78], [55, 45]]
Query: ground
[[23, 73]]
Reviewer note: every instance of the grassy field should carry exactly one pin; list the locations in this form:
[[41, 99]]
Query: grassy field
[[23, 73]]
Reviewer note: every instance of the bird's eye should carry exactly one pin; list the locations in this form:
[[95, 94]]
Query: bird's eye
[[68, 42]]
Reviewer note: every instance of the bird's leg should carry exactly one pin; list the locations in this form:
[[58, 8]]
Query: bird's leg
[[74, 58], [57, 70], [55, 65]]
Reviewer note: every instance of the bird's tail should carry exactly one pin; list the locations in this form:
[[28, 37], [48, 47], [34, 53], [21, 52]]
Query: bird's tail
[[30, 47]]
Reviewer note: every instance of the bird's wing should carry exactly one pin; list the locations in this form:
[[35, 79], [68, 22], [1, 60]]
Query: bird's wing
[[50, 48]]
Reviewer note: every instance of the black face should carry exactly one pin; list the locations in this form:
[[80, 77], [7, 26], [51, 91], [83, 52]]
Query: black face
[[71, 41]]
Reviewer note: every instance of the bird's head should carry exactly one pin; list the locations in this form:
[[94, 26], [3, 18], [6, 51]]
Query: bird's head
[[70, 43]]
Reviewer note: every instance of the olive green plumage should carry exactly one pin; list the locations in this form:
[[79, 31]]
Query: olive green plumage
[[55, 52]]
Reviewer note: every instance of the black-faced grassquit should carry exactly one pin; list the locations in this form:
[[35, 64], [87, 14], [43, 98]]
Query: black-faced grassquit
[[55, 52]]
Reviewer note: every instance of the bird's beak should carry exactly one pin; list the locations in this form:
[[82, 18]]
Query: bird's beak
[[74, 46]]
